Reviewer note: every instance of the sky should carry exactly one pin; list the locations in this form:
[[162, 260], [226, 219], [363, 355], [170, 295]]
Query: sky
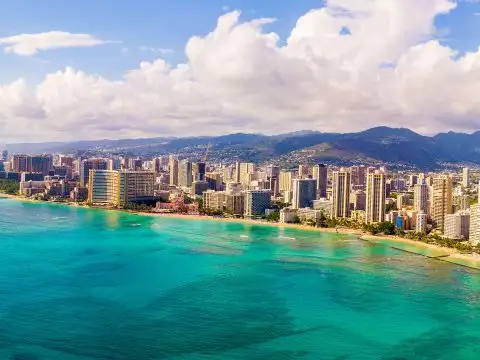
[[74, 70]]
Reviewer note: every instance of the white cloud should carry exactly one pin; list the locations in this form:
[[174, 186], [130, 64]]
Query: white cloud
[[161, 51], [30, 44], [389, 69]]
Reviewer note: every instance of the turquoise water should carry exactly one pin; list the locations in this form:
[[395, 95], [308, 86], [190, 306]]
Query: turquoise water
[[91, 284]]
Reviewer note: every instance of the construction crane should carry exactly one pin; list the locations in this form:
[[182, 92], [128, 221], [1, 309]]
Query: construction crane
[[204, 159]]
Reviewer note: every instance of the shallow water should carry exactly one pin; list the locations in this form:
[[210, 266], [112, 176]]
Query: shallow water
[[91, 284]]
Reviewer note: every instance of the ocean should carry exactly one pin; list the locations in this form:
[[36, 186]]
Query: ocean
[[88, 284]]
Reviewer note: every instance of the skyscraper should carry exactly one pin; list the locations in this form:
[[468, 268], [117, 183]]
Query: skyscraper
[[185, 173], [243, 171], [40, 164], [341, 194], [375, 197], [173, 167], [20, 163], [304, 192], [103, 187], [4, 155], [475, 224], [91, 164], [466, 177], [286, 179], [120, 188], [441, 199], [420, 197], [199, 171], [320, 173], [357, 175], [273, 178], [135, 186]]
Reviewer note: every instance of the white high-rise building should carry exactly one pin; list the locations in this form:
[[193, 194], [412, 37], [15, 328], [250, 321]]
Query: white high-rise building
[[376, 194], [474, 234], [185, 173], [457, 226], [286, 181], [466, 177], [420, 197], [173, 167], [421, 223], [304, 192], [341, 194]]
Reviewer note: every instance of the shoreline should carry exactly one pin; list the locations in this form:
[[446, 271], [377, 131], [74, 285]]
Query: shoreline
[[416, 247]]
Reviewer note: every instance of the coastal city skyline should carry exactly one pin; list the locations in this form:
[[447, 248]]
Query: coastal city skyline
[[443, 205], [240, 179]]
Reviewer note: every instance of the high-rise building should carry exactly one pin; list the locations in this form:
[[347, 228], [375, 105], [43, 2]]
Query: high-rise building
[[304, 192], [474, 234], [214, 181], [420, 197], [402, 201], [213, 200], [91, 164], [457, 226], [256, 202], [413, 180], [65, 160], [40, 164], [375, 197], [103, 187], [441, 200], [111, 187], [466, 177], [160, 163], [460, 202], [199, 187], [114, 164], [243, 172], [357, 175], [4, 155], [185, 173], [421, 223], [135, 164], [303, 171], [173, 167], [341, 194], [20, 163], [320, 173], [136, 186], [199, 170], [359, 200], [286, 181], [273, 178], [235, 204]]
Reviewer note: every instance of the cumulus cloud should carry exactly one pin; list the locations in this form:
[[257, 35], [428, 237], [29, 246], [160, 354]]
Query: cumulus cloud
[[347, 66], [30, 44]]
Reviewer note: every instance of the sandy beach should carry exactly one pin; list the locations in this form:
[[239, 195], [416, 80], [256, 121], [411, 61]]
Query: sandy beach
[[412, 246]]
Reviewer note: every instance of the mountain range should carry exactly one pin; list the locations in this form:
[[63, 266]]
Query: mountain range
[[392, 146]]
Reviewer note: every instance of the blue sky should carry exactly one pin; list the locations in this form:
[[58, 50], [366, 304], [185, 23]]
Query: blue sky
[[161, 24], [61, 61], [134, 23]]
